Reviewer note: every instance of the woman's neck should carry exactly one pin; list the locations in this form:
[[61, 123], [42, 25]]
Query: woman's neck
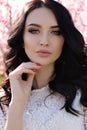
[[43, 76]]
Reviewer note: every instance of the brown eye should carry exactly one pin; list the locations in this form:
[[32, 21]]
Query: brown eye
[[33, 31], [56, 32]]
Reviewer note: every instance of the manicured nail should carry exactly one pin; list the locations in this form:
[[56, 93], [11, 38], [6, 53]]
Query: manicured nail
[[38, 64], [34, 70]]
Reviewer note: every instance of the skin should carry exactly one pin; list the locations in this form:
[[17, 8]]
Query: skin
[[42, 34], [43, 31], [45, 36]]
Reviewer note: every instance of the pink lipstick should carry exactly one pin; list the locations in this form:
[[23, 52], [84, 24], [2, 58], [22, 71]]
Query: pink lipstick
[[43, 53]]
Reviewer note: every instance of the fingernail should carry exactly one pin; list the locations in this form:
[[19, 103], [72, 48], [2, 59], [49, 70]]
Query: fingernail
[[34, 70], [38, 64]]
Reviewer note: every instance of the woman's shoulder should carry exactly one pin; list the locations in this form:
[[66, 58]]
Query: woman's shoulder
[[76, 103]]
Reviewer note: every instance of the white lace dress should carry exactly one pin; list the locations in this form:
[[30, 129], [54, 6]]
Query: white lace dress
[[42, 112]]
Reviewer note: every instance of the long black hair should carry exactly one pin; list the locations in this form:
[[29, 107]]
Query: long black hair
[[70, 68]]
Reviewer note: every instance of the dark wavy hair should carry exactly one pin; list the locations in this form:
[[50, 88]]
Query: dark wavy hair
[[70, 68]]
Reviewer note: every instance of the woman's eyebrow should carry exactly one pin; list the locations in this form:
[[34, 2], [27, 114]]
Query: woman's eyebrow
[[37, 25], [54, 26], [33, 24]]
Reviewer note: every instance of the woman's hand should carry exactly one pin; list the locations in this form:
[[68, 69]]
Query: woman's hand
[[20, 88]]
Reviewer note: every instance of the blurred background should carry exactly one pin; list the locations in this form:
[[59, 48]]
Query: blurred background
[[9, 8]]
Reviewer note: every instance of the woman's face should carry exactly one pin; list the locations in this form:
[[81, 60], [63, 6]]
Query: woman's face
[[43, 42]]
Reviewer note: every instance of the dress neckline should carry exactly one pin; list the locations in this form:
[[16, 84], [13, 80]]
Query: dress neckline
[[44, 88]]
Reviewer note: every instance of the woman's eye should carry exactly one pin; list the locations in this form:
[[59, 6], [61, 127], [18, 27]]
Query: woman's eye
[[57, 32], [33, 31]]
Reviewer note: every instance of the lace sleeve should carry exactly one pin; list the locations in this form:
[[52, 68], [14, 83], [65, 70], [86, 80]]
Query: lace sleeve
[[3, 116]]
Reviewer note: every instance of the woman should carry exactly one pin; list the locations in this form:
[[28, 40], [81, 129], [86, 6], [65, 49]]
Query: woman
[[47, 83]]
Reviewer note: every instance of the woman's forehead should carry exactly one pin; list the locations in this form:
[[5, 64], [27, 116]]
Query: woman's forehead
[[41, 15]]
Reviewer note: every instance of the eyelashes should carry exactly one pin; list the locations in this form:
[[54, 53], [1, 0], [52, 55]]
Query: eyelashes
[[34, 31], [58, 32], [37, 31]]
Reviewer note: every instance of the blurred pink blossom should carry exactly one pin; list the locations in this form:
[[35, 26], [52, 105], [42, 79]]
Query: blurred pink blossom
[[8, 9]]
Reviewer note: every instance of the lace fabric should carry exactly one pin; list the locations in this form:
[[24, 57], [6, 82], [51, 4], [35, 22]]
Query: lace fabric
[[3, 117], [85, 117], [43, 112]]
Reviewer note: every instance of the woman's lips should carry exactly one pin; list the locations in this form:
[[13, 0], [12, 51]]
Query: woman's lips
[[43, 53]]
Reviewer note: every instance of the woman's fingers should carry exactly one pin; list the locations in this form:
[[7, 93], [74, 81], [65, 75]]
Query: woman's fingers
[[25, 69], [21, 89], [30, 65]]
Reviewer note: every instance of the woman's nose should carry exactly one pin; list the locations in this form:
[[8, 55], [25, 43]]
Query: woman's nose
[[44, 40]]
